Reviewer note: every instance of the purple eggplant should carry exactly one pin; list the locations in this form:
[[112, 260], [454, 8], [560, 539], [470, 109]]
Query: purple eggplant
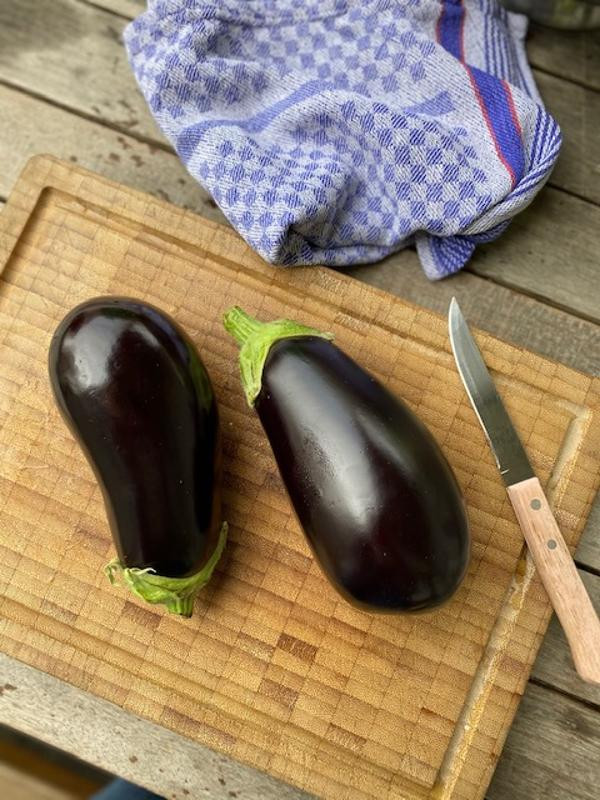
[[138, 399], [375, 496]]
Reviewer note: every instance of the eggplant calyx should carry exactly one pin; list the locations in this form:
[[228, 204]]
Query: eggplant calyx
[[176, 594], [256, 339]]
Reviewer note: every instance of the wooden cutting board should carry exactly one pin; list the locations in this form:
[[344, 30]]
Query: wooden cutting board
[[274, 668]]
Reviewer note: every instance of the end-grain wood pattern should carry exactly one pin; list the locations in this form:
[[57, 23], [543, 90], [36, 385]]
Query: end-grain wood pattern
[[274, 668]]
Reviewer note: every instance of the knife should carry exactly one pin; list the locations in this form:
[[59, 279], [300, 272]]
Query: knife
[[549, 551]]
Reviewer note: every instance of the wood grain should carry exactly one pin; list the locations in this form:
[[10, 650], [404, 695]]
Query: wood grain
[[167, 763], [577, 111], [551, 751], [554, 665], [78, 140], [72, 54], [588, 550], [501, 311], [126, 8], [117, 741], [549, 251], [571, 55], [559, 575], [285, 677]]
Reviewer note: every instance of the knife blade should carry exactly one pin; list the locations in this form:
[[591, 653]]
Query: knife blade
[[546, 544], [508, 451]]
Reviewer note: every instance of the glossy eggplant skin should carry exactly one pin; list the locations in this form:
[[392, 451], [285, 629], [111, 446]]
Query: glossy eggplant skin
[[138, 399], [376, 498]]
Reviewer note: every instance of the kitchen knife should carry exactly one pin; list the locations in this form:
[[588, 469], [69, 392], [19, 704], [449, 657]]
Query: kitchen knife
[[550, 554]]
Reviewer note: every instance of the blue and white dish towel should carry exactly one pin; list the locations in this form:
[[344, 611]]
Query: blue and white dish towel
[[339, 131]]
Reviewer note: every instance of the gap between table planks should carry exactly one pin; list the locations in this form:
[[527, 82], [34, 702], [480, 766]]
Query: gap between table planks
[[87, 47], [144, 212]]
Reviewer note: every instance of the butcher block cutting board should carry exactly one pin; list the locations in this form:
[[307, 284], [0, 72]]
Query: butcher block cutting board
[[273, 669]]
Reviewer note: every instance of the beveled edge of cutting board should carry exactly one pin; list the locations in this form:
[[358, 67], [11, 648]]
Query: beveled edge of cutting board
[[45, 172]]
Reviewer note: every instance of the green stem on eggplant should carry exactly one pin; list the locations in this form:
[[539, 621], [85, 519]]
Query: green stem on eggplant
[[256, 339], [176, 594]]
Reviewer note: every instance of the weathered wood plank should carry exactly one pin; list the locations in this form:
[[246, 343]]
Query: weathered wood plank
[[115, 740], [550, 250], [507, 314], [551, 752], [554, 665], [588, 551], [571, 55], [79, 140], [72, 54], [577, 111], [126, 8]]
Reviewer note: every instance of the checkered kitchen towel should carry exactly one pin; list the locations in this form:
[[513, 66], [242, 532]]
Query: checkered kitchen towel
[[339, 131]]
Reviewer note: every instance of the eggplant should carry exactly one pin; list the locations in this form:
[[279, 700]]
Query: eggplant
[[374, 495], [137, 398]]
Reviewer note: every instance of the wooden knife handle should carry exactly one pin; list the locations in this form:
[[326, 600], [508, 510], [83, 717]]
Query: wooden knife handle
[[559, 575]]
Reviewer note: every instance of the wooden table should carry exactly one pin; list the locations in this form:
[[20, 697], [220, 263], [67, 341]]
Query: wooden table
[[66, 88]]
